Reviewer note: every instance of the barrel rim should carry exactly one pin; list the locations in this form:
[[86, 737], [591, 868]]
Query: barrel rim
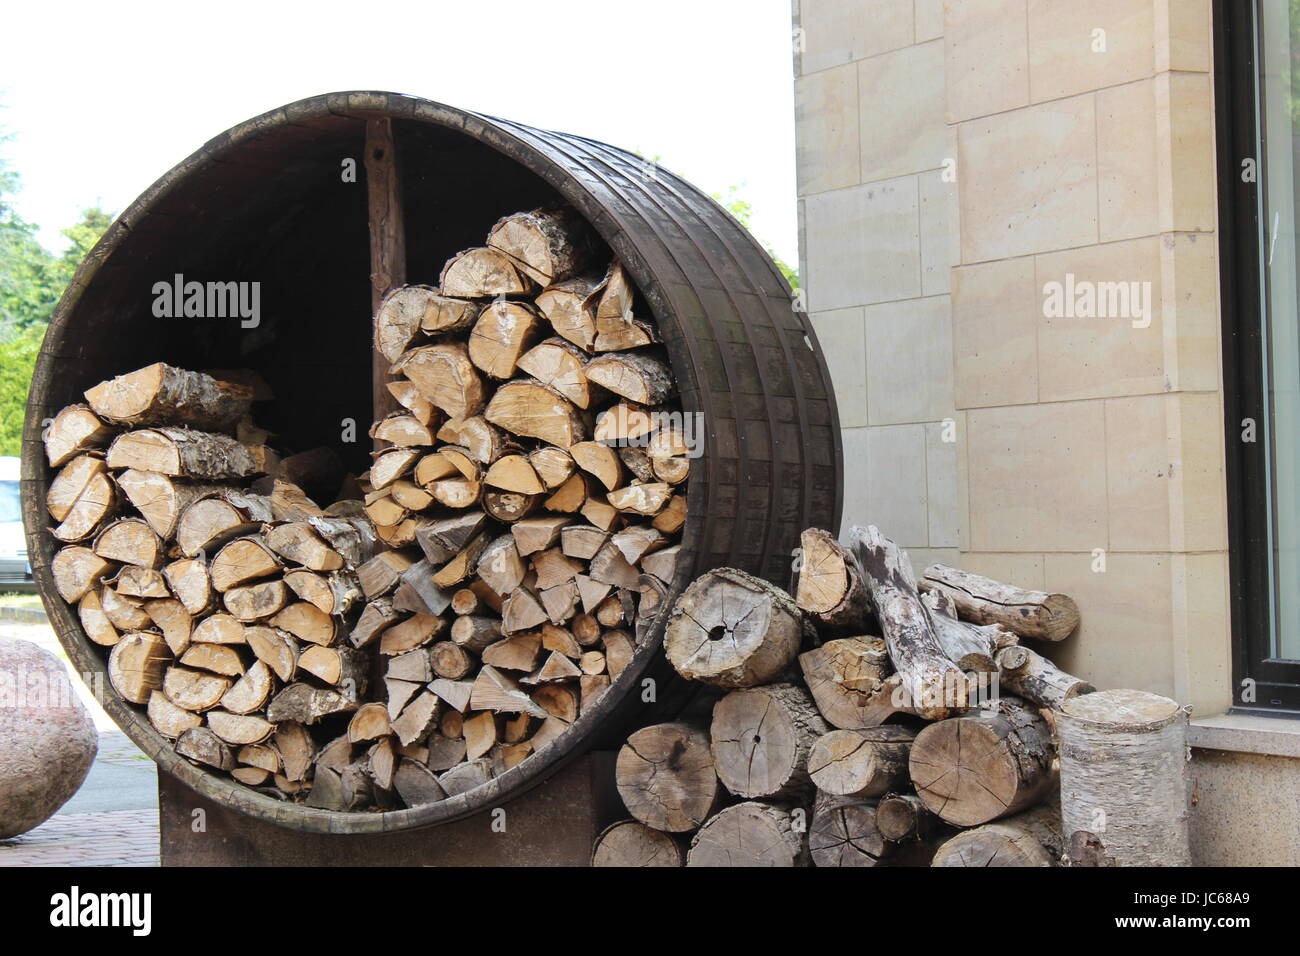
[[501, 136]]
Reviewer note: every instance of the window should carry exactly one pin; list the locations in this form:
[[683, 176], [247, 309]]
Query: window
[[1258, 116]]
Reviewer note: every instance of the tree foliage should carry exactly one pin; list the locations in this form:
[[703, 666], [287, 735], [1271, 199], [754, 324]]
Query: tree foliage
[[31, 281]]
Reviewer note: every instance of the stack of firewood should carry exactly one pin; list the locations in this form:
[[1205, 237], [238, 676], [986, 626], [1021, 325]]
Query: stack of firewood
[[871, 719], [458, 606]]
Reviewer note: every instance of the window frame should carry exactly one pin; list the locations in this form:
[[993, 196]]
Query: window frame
[[1273, 682]]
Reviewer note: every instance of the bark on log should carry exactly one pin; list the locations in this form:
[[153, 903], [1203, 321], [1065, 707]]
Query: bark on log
[[162, 395], [936, 685], [845, 676], [1049, 617], [1038, 680]]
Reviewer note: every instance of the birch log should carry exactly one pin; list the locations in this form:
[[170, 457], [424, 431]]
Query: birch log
[[1124, 777], [1032, 838]]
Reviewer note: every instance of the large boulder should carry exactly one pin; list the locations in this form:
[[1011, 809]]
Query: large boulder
[[47, 739]]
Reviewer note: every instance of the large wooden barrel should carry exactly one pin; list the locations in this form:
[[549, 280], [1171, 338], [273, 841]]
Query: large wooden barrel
[[266, 201]]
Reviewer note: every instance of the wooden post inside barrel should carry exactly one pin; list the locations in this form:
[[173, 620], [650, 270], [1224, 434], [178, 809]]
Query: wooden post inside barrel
[[387, 245]]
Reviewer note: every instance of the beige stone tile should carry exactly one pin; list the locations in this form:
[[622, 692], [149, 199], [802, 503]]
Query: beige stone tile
[[941, 484], [929, 19], [1140, 474], [1075, 47], [835, 32], [887, 488], [1182, 35], [1021, 570], [1125, 634], [922, 558], [1189, 283], [1198, 502], [1113, 346], [987, 57], [1245, 810], [1185, 152], [863, 245], [826, 115], [1202, 633], [1037, 477], [909, 361], [1127, 204], [937, 200], [840, 335], [995, 308], [1028, 180], [901, 126]]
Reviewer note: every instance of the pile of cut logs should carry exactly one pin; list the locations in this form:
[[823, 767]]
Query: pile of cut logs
[[871, 719], [458, 605]]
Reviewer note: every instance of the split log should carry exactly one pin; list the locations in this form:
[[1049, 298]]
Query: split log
[[632, 375], [1032, 838], [482, 273], [749, 834], [130, 541], [159, 499], [732, 629], [276, 649], [861, 763], [665, 774], [548, 245], [210, 522], [182, 453], [251, 692], [503, 332], [936, 685], [136, 664], [162, 395], [845, 677], [974, 769], [74, 430], [1048, 617], [560, 365], [307, 705], [1125, 796], [194, 690], [1036, 679], [416, 784], [830, 585], [201, 745], [168, 719], [629, 843], [446, 377], [531, 409], [762, 738], [570, 307]]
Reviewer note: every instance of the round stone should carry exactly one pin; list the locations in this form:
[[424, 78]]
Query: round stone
[[47, 739]]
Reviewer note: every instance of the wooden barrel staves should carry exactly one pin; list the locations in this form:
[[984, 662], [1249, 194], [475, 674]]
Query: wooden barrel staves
[[289, 203]]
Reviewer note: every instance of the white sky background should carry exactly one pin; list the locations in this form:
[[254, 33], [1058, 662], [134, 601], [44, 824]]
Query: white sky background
[[104, 98]]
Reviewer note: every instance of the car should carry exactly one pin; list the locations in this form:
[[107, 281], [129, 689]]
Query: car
[[15, 569]]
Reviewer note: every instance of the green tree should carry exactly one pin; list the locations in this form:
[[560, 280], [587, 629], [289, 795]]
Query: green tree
[[31, 281], [743, 210]]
